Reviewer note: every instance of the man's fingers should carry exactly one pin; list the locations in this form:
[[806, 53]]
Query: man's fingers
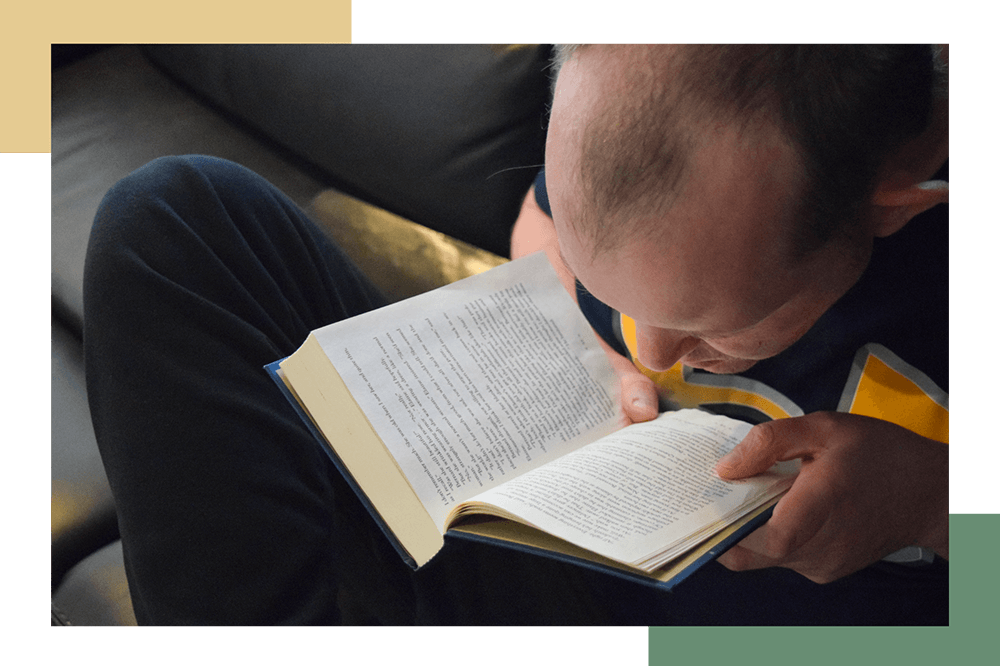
[[639, 399], [766, 444], [798, 517]]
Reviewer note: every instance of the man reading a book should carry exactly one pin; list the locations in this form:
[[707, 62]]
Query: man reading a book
[[696, 192], [753, 230]]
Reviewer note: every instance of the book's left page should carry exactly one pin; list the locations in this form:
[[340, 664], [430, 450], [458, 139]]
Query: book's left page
[[468, 385], [314, 384]]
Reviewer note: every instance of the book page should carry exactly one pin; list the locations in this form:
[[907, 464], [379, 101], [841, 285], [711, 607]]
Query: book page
[[639, 492], [477, 382]]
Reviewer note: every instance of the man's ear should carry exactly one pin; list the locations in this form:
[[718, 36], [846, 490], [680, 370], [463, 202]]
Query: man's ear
[[895, 206]]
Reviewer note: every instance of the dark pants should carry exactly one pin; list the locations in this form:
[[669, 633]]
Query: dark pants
[[198, 274]]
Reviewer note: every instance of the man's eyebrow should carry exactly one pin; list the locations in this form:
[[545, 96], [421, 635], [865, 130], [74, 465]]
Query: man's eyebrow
[[581, 289], [562, 258]]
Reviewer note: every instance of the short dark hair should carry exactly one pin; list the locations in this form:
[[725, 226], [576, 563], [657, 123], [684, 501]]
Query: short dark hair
[[845, 107]]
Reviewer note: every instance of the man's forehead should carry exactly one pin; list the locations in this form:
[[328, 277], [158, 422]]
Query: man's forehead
[[717, 257], [669, 287]]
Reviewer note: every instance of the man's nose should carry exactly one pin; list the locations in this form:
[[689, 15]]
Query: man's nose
[[660, 348]]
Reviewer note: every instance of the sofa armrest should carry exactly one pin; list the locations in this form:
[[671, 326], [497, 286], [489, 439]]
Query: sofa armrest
[[402, 258]]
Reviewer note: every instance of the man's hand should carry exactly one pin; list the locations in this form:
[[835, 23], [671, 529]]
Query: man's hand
[[639, 399], [866, 489]]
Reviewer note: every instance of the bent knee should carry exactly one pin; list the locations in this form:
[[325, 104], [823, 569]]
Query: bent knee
[[163, 195], [166, 181]]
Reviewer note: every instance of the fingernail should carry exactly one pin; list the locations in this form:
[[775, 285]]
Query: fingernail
[[642, 403], [728, 461]]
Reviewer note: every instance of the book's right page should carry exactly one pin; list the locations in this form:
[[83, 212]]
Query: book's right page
[[520, 536], [644, 494]]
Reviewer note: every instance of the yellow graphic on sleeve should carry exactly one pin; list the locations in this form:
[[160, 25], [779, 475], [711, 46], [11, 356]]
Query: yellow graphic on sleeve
[[685, 389], [885, 387]]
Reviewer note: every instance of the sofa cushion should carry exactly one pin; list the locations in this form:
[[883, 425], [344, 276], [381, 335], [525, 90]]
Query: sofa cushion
[[448, 136], [83, 511], [112, 112], [95, 592]]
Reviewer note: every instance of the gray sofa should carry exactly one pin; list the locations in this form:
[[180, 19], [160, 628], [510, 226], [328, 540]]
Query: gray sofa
[[415, 158]]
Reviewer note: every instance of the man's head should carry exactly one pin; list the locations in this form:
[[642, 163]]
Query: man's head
[[721, 196]]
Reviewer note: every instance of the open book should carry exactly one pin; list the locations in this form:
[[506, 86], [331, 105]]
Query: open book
[[487, 409]]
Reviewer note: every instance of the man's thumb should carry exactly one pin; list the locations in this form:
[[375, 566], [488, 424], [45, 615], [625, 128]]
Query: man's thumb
[[639, 399], [752, 456]]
